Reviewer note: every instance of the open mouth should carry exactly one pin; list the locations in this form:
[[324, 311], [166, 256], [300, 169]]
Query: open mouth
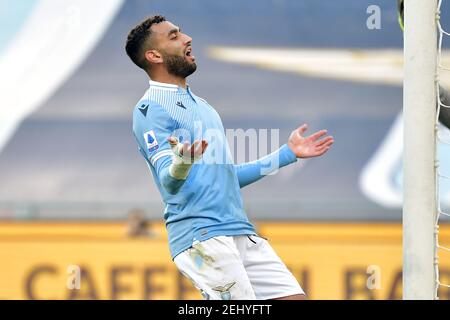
[[189, 53]]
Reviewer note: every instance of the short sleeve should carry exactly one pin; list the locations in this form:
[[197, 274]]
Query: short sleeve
[[152, 125]]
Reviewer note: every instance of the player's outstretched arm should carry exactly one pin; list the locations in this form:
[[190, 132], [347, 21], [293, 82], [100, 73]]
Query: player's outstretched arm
[[297, 147]]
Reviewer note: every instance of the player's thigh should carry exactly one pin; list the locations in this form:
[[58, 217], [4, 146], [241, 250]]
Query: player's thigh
[[215, 268], [269, 276]]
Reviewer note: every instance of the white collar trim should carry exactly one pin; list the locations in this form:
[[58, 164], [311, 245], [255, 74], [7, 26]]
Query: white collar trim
[[164, 86]]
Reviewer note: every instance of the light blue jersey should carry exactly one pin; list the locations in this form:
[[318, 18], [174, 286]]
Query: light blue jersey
[[208, 203]]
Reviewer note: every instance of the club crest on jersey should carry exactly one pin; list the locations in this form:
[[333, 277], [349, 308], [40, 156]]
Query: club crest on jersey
[[150, 140]]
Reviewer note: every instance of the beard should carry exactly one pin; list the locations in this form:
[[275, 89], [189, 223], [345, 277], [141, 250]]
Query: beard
[[178, 66]]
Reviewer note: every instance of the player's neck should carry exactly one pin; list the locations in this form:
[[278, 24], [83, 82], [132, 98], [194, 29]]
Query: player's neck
[[170, 79]]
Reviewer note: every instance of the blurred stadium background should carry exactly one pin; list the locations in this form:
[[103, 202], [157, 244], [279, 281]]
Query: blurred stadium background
[[74, 190]]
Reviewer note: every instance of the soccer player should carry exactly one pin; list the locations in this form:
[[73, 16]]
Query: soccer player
[[211, 240], [444, 95]]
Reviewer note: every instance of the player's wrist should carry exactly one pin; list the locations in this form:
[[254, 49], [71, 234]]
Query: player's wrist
[[288, 151], [181, 163], [180, 171]]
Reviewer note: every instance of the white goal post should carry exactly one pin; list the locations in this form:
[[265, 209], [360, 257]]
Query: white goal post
[[419, 154]]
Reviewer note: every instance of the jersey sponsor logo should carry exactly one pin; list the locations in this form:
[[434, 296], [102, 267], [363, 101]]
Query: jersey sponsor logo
[[150, 140]]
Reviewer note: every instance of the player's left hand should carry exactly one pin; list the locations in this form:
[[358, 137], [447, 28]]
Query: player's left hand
[[312, 146]]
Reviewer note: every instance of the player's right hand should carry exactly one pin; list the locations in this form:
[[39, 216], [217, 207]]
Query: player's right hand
[[186, 152]]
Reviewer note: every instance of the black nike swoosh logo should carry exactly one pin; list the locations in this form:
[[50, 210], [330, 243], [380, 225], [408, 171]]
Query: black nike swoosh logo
[[144, 109]]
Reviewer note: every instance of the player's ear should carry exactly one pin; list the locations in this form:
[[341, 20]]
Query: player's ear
[[153, 56]]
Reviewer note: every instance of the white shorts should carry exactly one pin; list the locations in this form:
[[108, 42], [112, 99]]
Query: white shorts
[[237, 268]]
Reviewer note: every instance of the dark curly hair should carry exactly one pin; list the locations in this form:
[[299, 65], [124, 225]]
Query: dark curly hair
[[137, 39]]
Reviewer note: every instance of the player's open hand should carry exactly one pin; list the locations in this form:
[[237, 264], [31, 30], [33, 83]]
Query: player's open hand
[[187, 152], [312, 146]]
